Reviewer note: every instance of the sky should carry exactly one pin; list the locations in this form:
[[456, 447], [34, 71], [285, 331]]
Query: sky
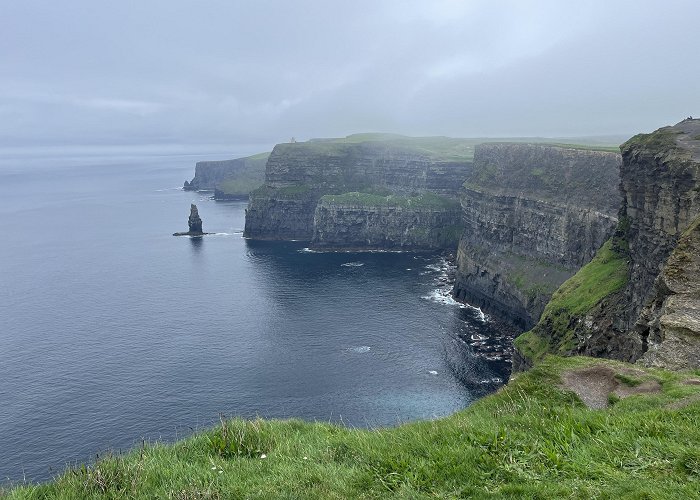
[[98, 72]]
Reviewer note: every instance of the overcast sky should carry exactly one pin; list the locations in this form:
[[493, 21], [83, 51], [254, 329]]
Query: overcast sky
[[233, 72]]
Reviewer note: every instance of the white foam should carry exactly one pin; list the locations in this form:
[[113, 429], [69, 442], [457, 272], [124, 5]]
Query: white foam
[[307, 250], [361, 349], [352, 264]]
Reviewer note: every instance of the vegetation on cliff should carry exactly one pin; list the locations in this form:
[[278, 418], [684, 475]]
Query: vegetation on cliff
[[606, 274], [534, 438], [425, 200]]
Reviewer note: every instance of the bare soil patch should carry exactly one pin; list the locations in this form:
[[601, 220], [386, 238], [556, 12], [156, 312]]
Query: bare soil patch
[[594, 385]]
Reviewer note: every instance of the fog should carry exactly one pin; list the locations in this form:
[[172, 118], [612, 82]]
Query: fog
[[186, 72]]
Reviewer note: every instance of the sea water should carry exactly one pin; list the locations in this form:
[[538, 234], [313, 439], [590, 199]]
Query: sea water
[[113, 331]]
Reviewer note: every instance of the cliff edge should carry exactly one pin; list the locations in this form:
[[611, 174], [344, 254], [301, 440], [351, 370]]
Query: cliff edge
[[638, 299], [533, 214], [361, 194]]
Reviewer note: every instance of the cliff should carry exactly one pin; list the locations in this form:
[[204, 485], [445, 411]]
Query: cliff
[[651, 311], [532, 214], [365, 221], [229, 179], [290, 205]]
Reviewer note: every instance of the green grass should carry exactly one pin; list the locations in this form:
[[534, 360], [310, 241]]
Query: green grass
[[246, 179], [606, 274], [450, 148], [662, 140], [425, 200], [529, 440]]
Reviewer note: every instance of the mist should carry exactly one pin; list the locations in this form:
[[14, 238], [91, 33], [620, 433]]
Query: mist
[[217, 72]]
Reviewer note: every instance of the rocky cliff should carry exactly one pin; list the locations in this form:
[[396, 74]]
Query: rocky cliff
[[651, 307], [364, 221], [289, 206], [533, 214], [229, 179]]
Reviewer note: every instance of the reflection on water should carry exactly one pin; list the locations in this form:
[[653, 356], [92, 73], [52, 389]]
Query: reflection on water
[[196, 242]]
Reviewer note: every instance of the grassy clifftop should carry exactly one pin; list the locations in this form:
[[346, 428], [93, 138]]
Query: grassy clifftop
[[535, 438]]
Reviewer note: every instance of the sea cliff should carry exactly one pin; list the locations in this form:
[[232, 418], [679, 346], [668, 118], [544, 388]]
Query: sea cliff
[[532, 215], [229, 179], [360, 194], [645, 304]]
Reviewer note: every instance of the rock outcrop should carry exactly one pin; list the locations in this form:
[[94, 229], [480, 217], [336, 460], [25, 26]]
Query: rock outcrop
[[533, 214], [291, 204], [669, 325], [194, 222], [229, 179], [361, 222], [652, 314]]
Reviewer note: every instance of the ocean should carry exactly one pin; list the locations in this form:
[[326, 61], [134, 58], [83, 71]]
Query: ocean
[[114, 331]]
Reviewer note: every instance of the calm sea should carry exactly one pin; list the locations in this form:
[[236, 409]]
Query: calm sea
[[114, 331]]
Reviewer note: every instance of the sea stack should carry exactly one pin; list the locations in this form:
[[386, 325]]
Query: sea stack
[[195, 223]]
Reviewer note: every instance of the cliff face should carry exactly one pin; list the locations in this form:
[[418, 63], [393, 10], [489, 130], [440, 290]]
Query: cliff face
[[298, 175], [653, 311], [362, 221], [229, 178], [533, 214], [669, 324]]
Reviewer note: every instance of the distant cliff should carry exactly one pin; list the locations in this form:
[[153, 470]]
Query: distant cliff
[[229, 179], [533, 214], [388, 177], [365, 221], [640, 296]]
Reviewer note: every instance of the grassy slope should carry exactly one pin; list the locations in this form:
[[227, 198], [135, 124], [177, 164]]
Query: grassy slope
[[246, 179], [531, 439], [604, 275]]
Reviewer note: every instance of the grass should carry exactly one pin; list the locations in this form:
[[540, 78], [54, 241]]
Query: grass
[[425, 200], [606, 274], [529, 440], [450, 148], [246, 178], [660, 141]]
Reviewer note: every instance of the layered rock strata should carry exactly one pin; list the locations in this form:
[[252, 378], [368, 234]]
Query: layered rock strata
[[194, 222], [358, 221], [653, 314], [533, 214], [289, 206]]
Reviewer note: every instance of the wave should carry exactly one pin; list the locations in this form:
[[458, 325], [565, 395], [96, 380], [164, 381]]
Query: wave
[[360, 349], [353, 264]]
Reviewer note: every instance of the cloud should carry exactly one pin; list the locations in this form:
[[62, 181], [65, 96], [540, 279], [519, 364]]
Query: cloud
[[217, 71]]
